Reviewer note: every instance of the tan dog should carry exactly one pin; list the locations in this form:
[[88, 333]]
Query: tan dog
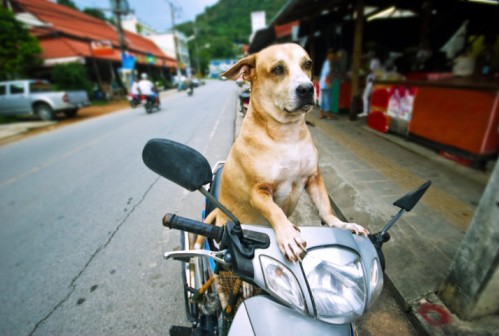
[[274, 159]]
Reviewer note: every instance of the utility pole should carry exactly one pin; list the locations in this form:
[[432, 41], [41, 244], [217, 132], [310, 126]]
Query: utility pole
[[196, 49], [471, 287], [175, 43], [120, 7], [117, 10]]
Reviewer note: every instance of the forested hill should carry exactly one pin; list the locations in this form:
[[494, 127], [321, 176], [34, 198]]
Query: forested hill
[[227, 24]]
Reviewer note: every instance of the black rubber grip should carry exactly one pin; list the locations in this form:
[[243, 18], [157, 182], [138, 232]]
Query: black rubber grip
[[186, 224]]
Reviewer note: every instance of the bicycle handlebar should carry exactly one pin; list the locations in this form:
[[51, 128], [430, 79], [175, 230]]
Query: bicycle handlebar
[[185, 224]]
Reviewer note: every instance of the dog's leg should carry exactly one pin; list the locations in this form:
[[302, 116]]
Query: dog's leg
[[288, 236], [317, 191]]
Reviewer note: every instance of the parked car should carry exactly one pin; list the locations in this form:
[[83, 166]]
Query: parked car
[[32, 96]]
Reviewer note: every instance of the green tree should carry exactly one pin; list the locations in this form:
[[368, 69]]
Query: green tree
[[95, 12], [71, 76], [225, 26], [19, 50], [68, 3]]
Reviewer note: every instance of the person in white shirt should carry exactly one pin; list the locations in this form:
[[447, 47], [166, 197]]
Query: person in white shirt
[[135, 87], [147, 88], [376, 70]]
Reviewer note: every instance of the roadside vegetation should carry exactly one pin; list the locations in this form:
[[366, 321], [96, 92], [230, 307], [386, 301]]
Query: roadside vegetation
[[20, 51]]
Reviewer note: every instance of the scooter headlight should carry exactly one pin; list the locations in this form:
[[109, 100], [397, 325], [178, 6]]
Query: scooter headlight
[[282, 282], [375, 281], [336, 280]]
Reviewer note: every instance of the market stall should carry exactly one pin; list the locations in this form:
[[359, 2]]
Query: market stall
[[457, 116]]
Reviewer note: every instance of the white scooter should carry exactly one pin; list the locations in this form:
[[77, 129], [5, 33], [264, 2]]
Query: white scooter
[[339, 278]]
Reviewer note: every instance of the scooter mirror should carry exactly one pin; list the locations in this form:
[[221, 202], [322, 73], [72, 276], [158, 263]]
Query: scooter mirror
[[177, 163], [409, 200]]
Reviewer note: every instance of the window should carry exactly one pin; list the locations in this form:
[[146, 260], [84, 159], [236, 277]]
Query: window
[[40, 86], [16, 88], [3, 90]]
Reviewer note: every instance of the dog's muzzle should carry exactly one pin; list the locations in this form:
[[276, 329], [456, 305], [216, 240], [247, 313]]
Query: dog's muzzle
[[305, 94], [305, 91]]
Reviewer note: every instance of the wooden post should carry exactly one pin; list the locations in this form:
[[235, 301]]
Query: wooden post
[[311, 38], [96, 68], [356, 57], [425, 24]]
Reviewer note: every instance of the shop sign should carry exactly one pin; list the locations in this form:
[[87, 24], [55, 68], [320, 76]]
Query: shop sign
[[150, 59], [127, 60], [102, 48]]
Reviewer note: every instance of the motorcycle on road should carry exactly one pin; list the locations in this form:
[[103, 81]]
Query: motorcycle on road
[[339, 278], [244, 99], [150, 103]]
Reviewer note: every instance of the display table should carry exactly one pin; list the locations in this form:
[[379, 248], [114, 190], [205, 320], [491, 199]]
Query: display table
[[458, 116]]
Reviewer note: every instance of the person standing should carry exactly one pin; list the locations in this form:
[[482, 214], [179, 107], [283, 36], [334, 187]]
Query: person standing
[[375, 70], [338, 74], [325, 86]]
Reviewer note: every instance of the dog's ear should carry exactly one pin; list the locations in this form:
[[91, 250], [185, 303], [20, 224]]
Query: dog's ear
[[243, 68]]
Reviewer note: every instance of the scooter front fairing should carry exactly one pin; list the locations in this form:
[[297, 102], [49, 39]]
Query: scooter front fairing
[[262, 316]]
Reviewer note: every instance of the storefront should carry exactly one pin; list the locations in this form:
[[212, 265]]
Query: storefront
[[455, 113], [459, 117]]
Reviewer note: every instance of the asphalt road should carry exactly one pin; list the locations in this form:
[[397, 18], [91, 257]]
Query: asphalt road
[[81, 239]]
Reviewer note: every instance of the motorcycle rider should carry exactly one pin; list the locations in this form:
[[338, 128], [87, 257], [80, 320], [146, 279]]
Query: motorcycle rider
[[147, 88], [135, 91], [189, 84]]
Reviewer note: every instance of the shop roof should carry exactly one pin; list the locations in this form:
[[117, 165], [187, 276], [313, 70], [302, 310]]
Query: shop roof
[[68, 32], [447, 16]]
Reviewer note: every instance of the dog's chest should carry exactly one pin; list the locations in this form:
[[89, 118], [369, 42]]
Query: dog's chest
[[291, 168]]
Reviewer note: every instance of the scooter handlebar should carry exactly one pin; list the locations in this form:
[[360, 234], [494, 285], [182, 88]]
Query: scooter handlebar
[[185, 224]]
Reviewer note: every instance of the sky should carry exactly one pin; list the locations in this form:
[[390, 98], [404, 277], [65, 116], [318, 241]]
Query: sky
[[156, 13]]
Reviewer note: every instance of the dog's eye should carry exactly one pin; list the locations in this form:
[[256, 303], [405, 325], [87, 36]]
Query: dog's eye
[[308, 65], [278, 70]]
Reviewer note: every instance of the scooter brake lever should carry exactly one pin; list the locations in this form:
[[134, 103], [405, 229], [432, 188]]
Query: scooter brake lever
[[185, 255]]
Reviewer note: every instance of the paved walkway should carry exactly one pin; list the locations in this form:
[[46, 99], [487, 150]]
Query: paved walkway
[[366, 171], [13, 129]]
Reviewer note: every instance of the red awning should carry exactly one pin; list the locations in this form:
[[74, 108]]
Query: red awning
[[62, 47]]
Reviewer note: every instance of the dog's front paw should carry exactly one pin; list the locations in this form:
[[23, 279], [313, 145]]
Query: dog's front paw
[[355, 228], [291, 243]]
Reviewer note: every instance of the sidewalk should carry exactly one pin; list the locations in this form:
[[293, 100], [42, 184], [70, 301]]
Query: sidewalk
[[16, 130], [365, 172]]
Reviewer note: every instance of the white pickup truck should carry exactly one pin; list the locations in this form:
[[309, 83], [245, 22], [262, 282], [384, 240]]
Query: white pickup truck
[[37, 97]]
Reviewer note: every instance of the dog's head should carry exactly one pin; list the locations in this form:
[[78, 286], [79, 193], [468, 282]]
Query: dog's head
[[280, 77]]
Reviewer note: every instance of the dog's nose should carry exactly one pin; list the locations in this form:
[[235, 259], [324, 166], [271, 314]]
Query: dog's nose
[[305, 90]]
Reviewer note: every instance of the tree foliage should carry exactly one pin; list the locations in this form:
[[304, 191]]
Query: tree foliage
[[95, 12], [19, 51], [71, 76], [68, 3], [224, 27]]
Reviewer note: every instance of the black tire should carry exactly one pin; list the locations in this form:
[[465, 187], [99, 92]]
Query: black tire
[[71, 113], [44, 112], [149, 107]]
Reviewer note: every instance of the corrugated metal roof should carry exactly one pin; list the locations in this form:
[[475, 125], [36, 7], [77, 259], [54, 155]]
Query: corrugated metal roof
[[69, 33]]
